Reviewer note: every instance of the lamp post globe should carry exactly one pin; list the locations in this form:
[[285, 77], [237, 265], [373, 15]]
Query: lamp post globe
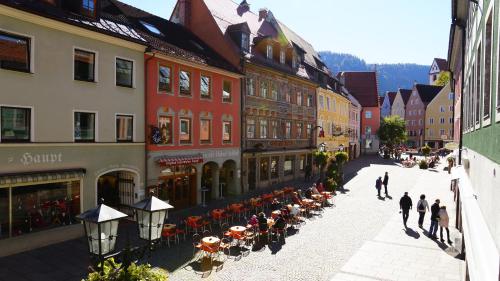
[[101, 228], [341, 147], [150, 215]]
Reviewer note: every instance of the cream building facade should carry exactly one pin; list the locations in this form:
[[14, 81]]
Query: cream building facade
[[439, 119]]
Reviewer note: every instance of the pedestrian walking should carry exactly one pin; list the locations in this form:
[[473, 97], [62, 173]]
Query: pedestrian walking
[[385, 182], [434, 219], [422, 207], [405, 205], [444, 221], [378, 185]]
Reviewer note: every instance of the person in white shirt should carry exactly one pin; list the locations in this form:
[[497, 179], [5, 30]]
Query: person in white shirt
[[422, 207]]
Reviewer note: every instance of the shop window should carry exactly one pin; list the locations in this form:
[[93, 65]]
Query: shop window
[[250, 87], [165, 124], [124, 72], [227, 91], [288, 129], [84, 127], [89, 8], [274, 129], [205, 87], [250, 129], [42, 206], [14, 52], [185, 83], [4, 213], [15, 124], [288, 166], [185, 130], [302, 163], [263, 129], [84, 66], [205, 130], [264, 169], [299, 130], [165, 79], [124, 128], [227, 130], [275, 167]]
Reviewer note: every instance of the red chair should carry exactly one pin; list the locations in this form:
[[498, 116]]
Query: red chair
[[168, 235]]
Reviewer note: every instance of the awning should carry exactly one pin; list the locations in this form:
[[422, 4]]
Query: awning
[[34, 177], [179, 160]]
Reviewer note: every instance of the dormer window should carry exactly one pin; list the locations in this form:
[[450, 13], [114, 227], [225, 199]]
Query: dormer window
[[245, 42], [282, 56], [88, 8], [269, 53]]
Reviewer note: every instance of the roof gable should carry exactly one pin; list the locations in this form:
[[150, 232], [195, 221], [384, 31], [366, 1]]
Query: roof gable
[[427, 92], [405, 95], [438, 65], [392, 97], [362, 85]]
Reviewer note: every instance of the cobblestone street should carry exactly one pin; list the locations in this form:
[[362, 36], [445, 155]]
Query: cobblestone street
[[362, 238]]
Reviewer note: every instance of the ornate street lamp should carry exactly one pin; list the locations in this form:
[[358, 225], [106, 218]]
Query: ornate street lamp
[[341, 147], [101, 227], [150, 215]]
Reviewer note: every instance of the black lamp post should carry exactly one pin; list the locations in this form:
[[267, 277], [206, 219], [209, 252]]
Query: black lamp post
[[101, 227], [150, 215]]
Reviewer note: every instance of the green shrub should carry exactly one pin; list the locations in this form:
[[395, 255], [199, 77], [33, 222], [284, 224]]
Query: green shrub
[[331, 185], [134, 272], [423, 164], [426, 150], [341, 157]]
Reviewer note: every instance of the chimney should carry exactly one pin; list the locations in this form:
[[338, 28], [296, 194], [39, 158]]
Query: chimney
[[185, 13], [263, 14]]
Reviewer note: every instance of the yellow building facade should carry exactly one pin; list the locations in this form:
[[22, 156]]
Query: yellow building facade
[[439, 119], [333, 117]]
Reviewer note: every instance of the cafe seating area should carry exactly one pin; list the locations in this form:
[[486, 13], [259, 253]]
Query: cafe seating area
[[234, 231]]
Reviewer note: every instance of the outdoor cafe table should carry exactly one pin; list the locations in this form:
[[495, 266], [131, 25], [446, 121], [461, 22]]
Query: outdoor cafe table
[[217, 213], [275, 214], [237, 229], [210, 241]]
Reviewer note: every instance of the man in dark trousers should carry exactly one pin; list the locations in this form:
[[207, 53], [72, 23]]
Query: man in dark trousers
[[405, 205], [385, 182], [378, 185], [434, 219]]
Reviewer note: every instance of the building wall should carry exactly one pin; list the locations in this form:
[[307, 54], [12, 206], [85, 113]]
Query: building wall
[[415, 119], [354, 126], [333, 116], [370, 141], [457, 104], [444, 101], [398, 106], [385, 109]]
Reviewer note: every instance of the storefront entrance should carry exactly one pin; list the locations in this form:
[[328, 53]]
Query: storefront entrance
[[117, 190], [210, 181], [177, 186]]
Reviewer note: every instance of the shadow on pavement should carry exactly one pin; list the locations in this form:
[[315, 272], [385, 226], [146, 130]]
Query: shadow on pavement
[[412, 233]]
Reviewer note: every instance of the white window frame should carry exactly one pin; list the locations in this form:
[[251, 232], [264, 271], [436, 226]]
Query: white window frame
[[269, 51], [32, 50], [134, 66], [32, 121], [116, 128], [96, 128], [96, 64]]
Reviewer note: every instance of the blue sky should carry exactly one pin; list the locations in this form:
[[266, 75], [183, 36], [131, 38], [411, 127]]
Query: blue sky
[[379, 31]]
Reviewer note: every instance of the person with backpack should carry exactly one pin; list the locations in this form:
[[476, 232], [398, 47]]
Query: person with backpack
[[385, 182], [434, 219], [405, 205], [422, 207], [378, 185]]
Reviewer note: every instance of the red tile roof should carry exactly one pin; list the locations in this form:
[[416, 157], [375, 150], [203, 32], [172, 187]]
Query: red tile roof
[[362, 85]]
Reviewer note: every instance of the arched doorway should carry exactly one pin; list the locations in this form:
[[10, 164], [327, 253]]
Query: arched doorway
[[228, 178], [210, 181], [116, 188], [177, 185]]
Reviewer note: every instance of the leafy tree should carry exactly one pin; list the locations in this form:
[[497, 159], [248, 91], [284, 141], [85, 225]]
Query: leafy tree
[[443, 78], [392, 131], [113, 272], [321, 159]]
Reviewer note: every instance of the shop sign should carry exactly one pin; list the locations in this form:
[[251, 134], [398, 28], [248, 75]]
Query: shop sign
[[221, 154], [28, 158]]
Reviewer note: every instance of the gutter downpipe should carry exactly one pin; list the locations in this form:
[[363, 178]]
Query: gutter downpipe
[[146, 80]]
